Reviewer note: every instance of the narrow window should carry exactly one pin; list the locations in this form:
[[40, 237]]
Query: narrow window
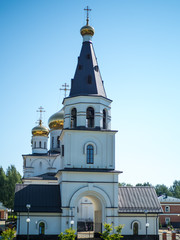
[[90, 154], [135, 228], [104, 119], [90, 117], [62, 150], [34, 144], [88, 56], [89, 79], [40, 144], [73, 118], [168, 221], [45, 145], [96, 68], [52, 142], [58, 142], [80, 67], [41, 228]]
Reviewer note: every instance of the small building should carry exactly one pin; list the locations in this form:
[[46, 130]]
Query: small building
[[171, 209], [3, 212]]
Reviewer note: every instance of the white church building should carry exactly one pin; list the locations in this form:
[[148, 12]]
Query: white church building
[[79, 168]]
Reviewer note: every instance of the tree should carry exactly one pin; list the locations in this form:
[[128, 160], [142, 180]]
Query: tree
[[175, 189], [107, 233], [8, 234], [123, 184], [2, 185], [162, 189], [12, 177], [146, 184], [69, 234]]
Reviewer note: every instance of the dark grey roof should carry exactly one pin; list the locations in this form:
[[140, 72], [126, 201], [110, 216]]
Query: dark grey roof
[[43, 198], [45, 176], [87, 79], [89, 170], [138, 199]]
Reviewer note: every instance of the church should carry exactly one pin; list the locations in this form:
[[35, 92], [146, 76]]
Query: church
[[80, 164]]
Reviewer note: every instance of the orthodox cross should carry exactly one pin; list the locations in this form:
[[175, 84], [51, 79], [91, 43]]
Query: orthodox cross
[[87, 19], [40, 110], [65, 89]]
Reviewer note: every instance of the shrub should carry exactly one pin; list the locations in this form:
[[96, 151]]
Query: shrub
[[8, 234], [107, 234], [69, 234]]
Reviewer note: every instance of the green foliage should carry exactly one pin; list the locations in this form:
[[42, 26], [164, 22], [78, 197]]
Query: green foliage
[[146, 184], [123, 184], [108, 235], [2, 185], [7, 185], [69, 234], [8, 234], [175, 189], [162, 189]]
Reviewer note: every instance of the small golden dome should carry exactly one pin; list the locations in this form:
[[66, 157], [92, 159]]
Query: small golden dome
[[40, 130], [56, 121], [87, 30]]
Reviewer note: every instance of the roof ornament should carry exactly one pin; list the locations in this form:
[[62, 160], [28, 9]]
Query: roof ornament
[[40, 110], [65, 89], [87, 19]]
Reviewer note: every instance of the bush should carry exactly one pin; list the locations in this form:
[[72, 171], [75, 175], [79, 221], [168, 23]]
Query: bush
[[107, 234], [8, 234], [69, 234]]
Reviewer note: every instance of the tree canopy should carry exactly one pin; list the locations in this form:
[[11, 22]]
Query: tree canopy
[[8, 181]]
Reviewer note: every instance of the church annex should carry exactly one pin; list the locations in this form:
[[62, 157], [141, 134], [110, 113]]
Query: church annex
[[80, 163]]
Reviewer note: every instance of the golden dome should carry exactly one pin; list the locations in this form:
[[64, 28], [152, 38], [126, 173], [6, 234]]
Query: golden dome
[[87, 30], [56, 121], [40, 130]]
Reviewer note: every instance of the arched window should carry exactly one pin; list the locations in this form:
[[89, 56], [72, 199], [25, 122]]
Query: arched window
[[34, 144], [90, 154], [40, 144], [41, 228], [45, 145], [167, 209], [90, 117], [73, 118], [135, 228], [104, 119], [58, 142]]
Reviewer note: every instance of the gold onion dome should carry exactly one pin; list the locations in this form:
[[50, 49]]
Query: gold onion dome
[[40, 130], [87, 30], [56, 121]]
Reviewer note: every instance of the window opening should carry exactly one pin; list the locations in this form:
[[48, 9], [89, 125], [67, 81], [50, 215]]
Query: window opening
[[34, 144], [88, 56], [73, 118], [135, 228], [96, 68], [41, 228], [89, 79], [80, 67], [40, 144], [90, 117], [104, 119], [58, 142], [52, 142], [167, 209], [90, 154], [45, 145], [62, 150]]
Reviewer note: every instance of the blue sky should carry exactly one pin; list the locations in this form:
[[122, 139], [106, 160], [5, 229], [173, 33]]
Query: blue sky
[[138, 51]]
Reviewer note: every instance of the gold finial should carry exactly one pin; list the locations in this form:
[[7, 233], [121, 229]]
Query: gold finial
[[40, 110], [87, 19], [65, 89]]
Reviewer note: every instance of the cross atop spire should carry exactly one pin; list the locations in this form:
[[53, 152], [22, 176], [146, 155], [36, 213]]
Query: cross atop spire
[[40, 110], [65, 89], [87, 19]]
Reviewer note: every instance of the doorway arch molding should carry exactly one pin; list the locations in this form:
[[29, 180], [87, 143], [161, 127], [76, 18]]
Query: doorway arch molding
[[90, 190]]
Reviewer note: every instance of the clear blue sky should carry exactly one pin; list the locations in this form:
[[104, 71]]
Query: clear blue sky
[[137, 44]]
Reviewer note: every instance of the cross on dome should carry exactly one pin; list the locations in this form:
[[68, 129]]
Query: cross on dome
[[88, 10], [40, 110], [65, 89]]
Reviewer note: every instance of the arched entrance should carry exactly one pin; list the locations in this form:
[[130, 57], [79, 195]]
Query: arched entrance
[[89, 218]]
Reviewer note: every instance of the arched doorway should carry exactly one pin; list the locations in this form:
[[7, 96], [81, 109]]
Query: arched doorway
[[89, 216]]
